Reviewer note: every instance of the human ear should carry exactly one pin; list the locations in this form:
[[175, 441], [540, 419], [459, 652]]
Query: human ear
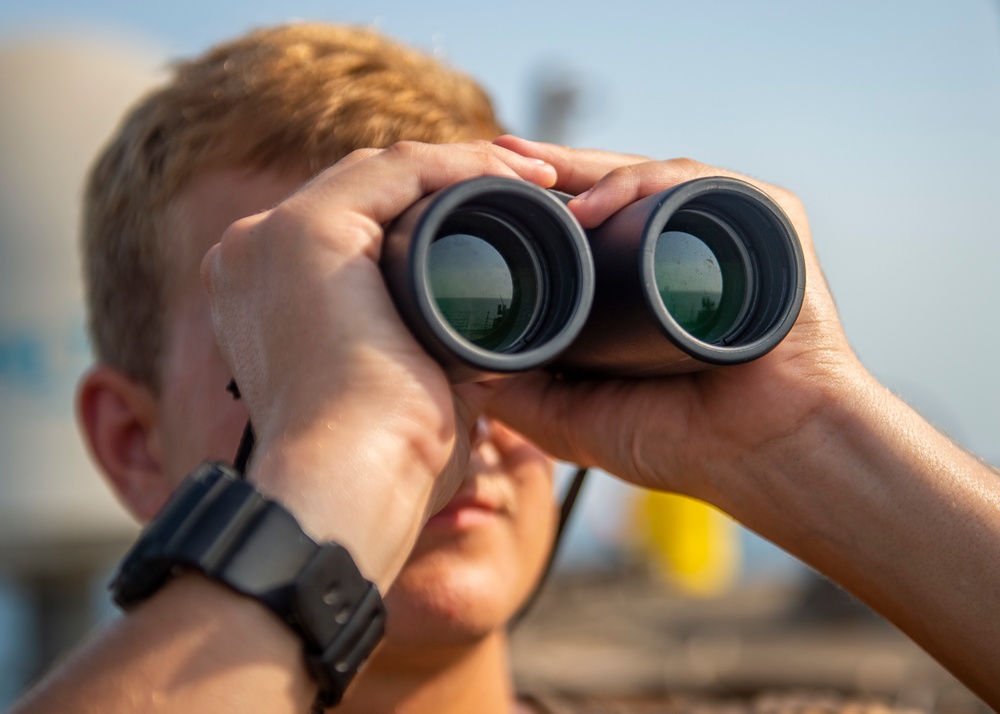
[[118, 417]]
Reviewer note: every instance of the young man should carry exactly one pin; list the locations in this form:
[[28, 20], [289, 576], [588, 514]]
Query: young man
[[235, 133], [361, 437]]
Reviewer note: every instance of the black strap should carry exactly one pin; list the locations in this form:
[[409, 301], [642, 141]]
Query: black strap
[[247, 442], [565, 510], [245, 450]]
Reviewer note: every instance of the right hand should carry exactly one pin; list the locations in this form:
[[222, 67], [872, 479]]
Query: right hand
[[355, 423]]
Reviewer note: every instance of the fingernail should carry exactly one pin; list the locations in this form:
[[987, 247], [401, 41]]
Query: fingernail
[[583, 196]]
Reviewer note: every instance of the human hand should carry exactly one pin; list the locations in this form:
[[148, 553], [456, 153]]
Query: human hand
[[355, 423], [692, 433]]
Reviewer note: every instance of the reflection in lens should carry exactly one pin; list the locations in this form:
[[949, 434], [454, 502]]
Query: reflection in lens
[[690, 282], [472, 287]]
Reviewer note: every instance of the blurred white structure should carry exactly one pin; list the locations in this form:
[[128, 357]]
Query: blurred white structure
[[59, 524]]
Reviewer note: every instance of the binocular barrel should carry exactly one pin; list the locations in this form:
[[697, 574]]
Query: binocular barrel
[[709, 272], [495, 275], [492, 275]]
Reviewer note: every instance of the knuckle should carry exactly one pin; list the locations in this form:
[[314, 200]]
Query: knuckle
[[361, 154], [629, 175], [241, 228], [407, 149], [790, 200], [689, 168], [236, 238]]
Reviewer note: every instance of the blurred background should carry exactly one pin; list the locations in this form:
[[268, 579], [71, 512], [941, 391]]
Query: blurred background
[[882, 116]]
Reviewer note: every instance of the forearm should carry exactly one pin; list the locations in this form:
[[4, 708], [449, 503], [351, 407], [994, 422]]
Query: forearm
[[871, 495], [193, 647]]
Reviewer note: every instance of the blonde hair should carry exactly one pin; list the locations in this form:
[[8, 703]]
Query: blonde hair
[[291, 98]]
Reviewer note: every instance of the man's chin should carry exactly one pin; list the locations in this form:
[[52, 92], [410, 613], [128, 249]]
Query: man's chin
[[423, 627], [443, 601]]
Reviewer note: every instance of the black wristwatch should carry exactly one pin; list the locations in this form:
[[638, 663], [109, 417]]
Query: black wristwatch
[[222, 526]]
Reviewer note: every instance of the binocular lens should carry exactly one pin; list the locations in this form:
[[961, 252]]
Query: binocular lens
[[702, 275], [474, 289], [486, 280], [690, 283]]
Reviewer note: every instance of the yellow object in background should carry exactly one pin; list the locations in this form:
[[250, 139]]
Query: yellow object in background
[[692, 544]]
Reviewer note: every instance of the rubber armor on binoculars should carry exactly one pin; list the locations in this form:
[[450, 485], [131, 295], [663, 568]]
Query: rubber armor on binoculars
[[495, 275]]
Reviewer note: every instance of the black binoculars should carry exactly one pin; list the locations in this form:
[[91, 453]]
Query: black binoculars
[[495, 275]]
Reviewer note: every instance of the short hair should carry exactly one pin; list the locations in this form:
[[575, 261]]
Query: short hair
[[290, 98]]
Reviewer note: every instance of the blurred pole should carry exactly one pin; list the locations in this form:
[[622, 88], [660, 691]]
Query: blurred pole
[[556, 102]]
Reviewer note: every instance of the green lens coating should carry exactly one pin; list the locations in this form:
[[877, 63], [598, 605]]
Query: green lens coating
[[700, 291], [473, 289]]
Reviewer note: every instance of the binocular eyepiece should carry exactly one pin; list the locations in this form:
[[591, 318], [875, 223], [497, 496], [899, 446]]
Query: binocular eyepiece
[[495, 275]]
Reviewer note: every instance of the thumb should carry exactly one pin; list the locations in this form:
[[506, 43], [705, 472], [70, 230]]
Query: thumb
[[469, 401], [572, 421], [633, 429]]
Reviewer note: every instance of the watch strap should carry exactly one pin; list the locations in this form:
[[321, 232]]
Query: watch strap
[[225, 528]]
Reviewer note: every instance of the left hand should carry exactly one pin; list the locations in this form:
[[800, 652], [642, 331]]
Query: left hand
[[692, 433]]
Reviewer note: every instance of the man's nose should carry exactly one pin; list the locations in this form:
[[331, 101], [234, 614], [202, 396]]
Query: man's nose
[[479, 432]]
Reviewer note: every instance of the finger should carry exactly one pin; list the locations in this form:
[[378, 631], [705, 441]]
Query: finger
[[375, 188], [578, 169], [419, 169], [603, 181], [351, 159], [626, 184], [527, 167], [571, 420]]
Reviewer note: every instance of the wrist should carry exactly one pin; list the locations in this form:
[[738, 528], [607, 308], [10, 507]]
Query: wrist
[[367, 490], [223, 528], [833, 491], [788, 486]]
